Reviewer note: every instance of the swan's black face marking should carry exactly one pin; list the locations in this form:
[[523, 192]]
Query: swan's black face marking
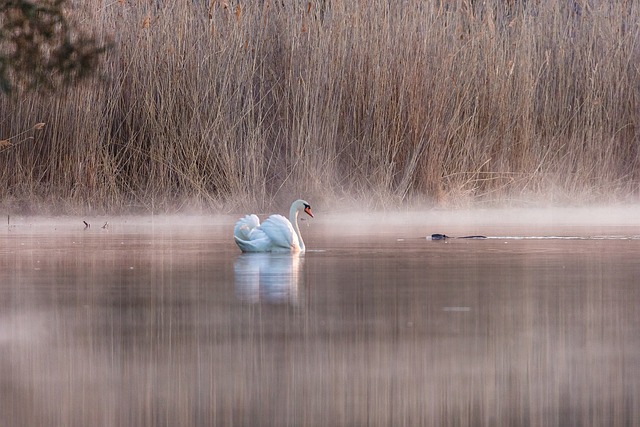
[[307, 210]]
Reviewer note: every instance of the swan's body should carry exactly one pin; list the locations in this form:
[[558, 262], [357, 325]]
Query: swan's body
[[275, 234]]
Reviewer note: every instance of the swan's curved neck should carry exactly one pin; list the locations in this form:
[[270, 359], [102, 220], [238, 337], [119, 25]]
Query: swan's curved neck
[[293, 217]]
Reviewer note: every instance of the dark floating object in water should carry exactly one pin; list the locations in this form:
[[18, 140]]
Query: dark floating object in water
[[438, 236], [86, 225]]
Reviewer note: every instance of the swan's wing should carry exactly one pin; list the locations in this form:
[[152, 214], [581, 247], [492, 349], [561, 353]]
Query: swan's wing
[[281, 233], [249, 236], [245, 226]]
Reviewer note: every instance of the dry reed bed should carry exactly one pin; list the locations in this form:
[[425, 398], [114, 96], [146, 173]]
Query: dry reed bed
[[224, 104]]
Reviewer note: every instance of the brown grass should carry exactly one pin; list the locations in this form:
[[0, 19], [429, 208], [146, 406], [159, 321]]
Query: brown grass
[[234, 103]]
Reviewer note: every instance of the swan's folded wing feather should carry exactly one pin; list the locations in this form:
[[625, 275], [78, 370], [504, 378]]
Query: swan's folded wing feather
[[281, 233], [245, 226]]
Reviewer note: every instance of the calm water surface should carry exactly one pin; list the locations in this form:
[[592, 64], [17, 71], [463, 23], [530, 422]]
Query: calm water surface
[[165, 323]]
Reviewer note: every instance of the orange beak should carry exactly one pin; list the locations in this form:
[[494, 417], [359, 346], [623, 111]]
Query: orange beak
[[307, 210]]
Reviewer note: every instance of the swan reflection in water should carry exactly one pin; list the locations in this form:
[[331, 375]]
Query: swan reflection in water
[[272, 278]]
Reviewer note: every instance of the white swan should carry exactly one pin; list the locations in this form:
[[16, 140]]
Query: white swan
[[275, 234]]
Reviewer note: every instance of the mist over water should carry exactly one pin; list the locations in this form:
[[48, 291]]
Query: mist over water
[[162, 321]]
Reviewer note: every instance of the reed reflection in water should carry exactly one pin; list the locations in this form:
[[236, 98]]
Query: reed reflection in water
[[161, 328]]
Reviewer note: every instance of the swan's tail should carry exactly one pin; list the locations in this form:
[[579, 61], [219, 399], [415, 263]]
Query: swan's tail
[[245, 226]]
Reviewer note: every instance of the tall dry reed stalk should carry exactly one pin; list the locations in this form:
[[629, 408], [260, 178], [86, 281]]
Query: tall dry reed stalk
[[222, 104]]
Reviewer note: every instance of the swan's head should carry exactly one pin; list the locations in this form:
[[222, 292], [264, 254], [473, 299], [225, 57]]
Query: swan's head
[[303, 206], [307, 210]]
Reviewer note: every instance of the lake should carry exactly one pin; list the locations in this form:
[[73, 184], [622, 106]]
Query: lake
[[161, 321]]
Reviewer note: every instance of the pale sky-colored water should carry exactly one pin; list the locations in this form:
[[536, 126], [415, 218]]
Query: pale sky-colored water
[[161, 321]]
